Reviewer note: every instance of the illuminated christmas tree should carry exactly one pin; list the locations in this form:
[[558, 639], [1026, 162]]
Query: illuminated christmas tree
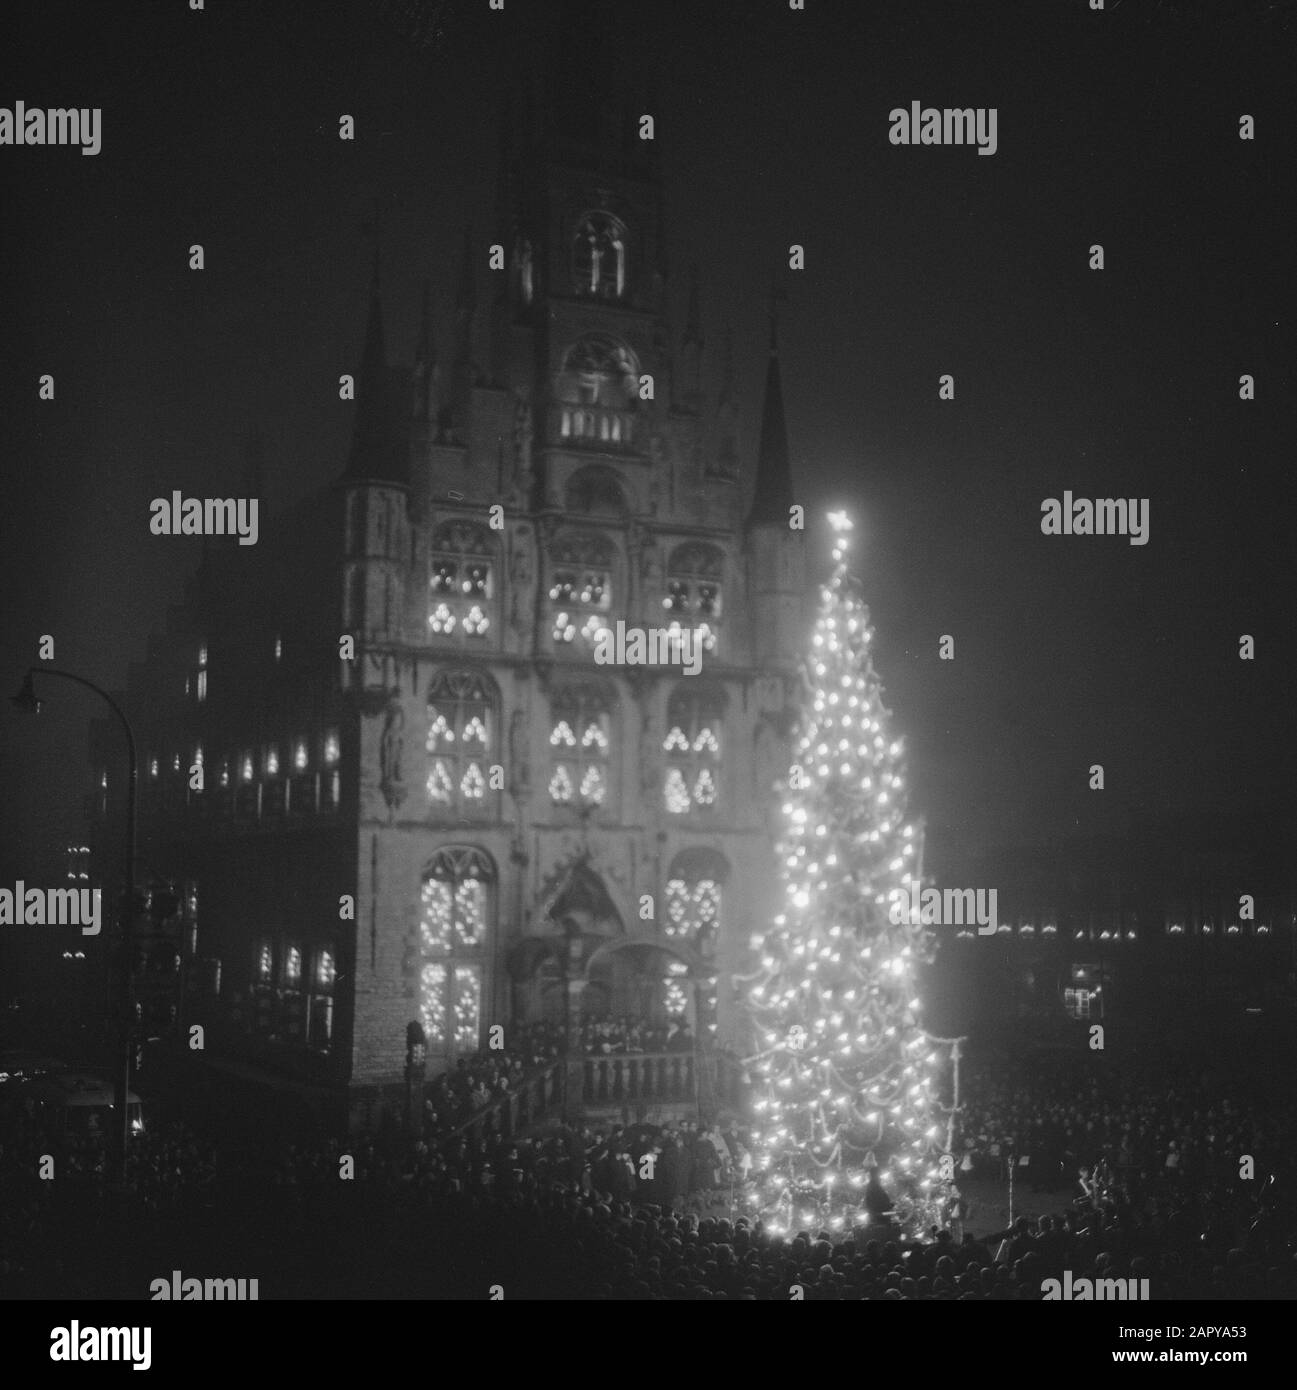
[[845, 1076]]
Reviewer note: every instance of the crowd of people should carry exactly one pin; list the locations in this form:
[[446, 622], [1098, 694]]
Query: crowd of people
[[661, 1212], [1128, 1132]]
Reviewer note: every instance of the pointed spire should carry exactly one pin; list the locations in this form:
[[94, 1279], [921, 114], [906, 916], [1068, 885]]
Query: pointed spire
[[773, 494], [376, 447], [727, 413], [426, 376]]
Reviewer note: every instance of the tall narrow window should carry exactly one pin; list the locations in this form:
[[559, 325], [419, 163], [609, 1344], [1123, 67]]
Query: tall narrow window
[[693, 596], [581, 588], [263, 991], [580, 743], [321, 1010], [462, 588], [331, 776], [599, 256], [693, 900], [292, 998], [460, 743], [199, 674], [691, 782], [455, 917]]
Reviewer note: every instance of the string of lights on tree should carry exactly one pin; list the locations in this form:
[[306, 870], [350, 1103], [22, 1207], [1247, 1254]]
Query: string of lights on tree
[[846, 1076]]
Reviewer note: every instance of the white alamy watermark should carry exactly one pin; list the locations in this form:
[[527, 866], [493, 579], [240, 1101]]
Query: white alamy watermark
[[52, 907], [945, 907], [947, 125], [1069, 1290], [77, 1343], [205, 516], [654, 646], [21, 124], [1102, 516], [178, 1289]]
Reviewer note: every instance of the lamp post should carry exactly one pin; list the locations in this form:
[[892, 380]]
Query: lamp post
[[26, 700], [573, 1060]]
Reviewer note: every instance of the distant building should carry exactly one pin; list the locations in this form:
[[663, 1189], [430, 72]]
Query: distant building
[[503, 820]]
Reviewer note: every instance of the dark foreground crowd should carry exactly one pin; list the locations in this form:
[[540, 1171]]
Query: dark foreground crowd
[[583, 1215]]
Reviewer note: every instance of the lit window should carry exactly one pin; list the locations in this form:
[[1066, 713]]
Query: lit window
[[580, 743], [675, 1000], [693, 597], [1077, 1002], [599, 256], [693, 750], [468, 1006], [598, 394], [459, 743], [580, 589], [454, 923], [320, 1023], [461, 589], [693, 903], [197, 680]]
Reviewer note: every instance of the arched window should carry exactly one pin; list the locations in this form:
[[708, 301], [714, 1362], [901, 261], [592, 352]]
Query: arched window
[[580, 591], [320, 1012], [695, 719], [460, 743], [599, 256], [580, 743], [595, 491], [462, 589], [695, 891], [694, 896], [456, 913], [693, 596], [598, 393]]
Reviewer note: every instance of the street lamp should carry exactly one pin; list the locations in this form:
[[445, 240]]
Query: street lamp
[[26, 700], [570, 960]]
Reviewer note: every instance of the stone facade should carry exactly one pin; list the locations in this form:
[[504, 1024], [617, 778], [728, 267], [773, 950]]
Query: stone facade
[[504, 820]]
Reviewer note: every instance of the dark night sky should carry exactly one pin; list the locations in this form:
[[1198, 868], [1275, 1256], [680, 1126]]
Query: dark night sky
[[1117, 127]]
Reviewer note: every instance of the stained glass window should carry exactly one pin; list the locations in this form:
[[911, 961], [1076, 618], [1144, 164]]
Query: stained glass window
[[461, 588], [691, 782], [580, 589], [599, 256], [580, 743], [459, 744], [693, 596], [693, 899], [457, 895]]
